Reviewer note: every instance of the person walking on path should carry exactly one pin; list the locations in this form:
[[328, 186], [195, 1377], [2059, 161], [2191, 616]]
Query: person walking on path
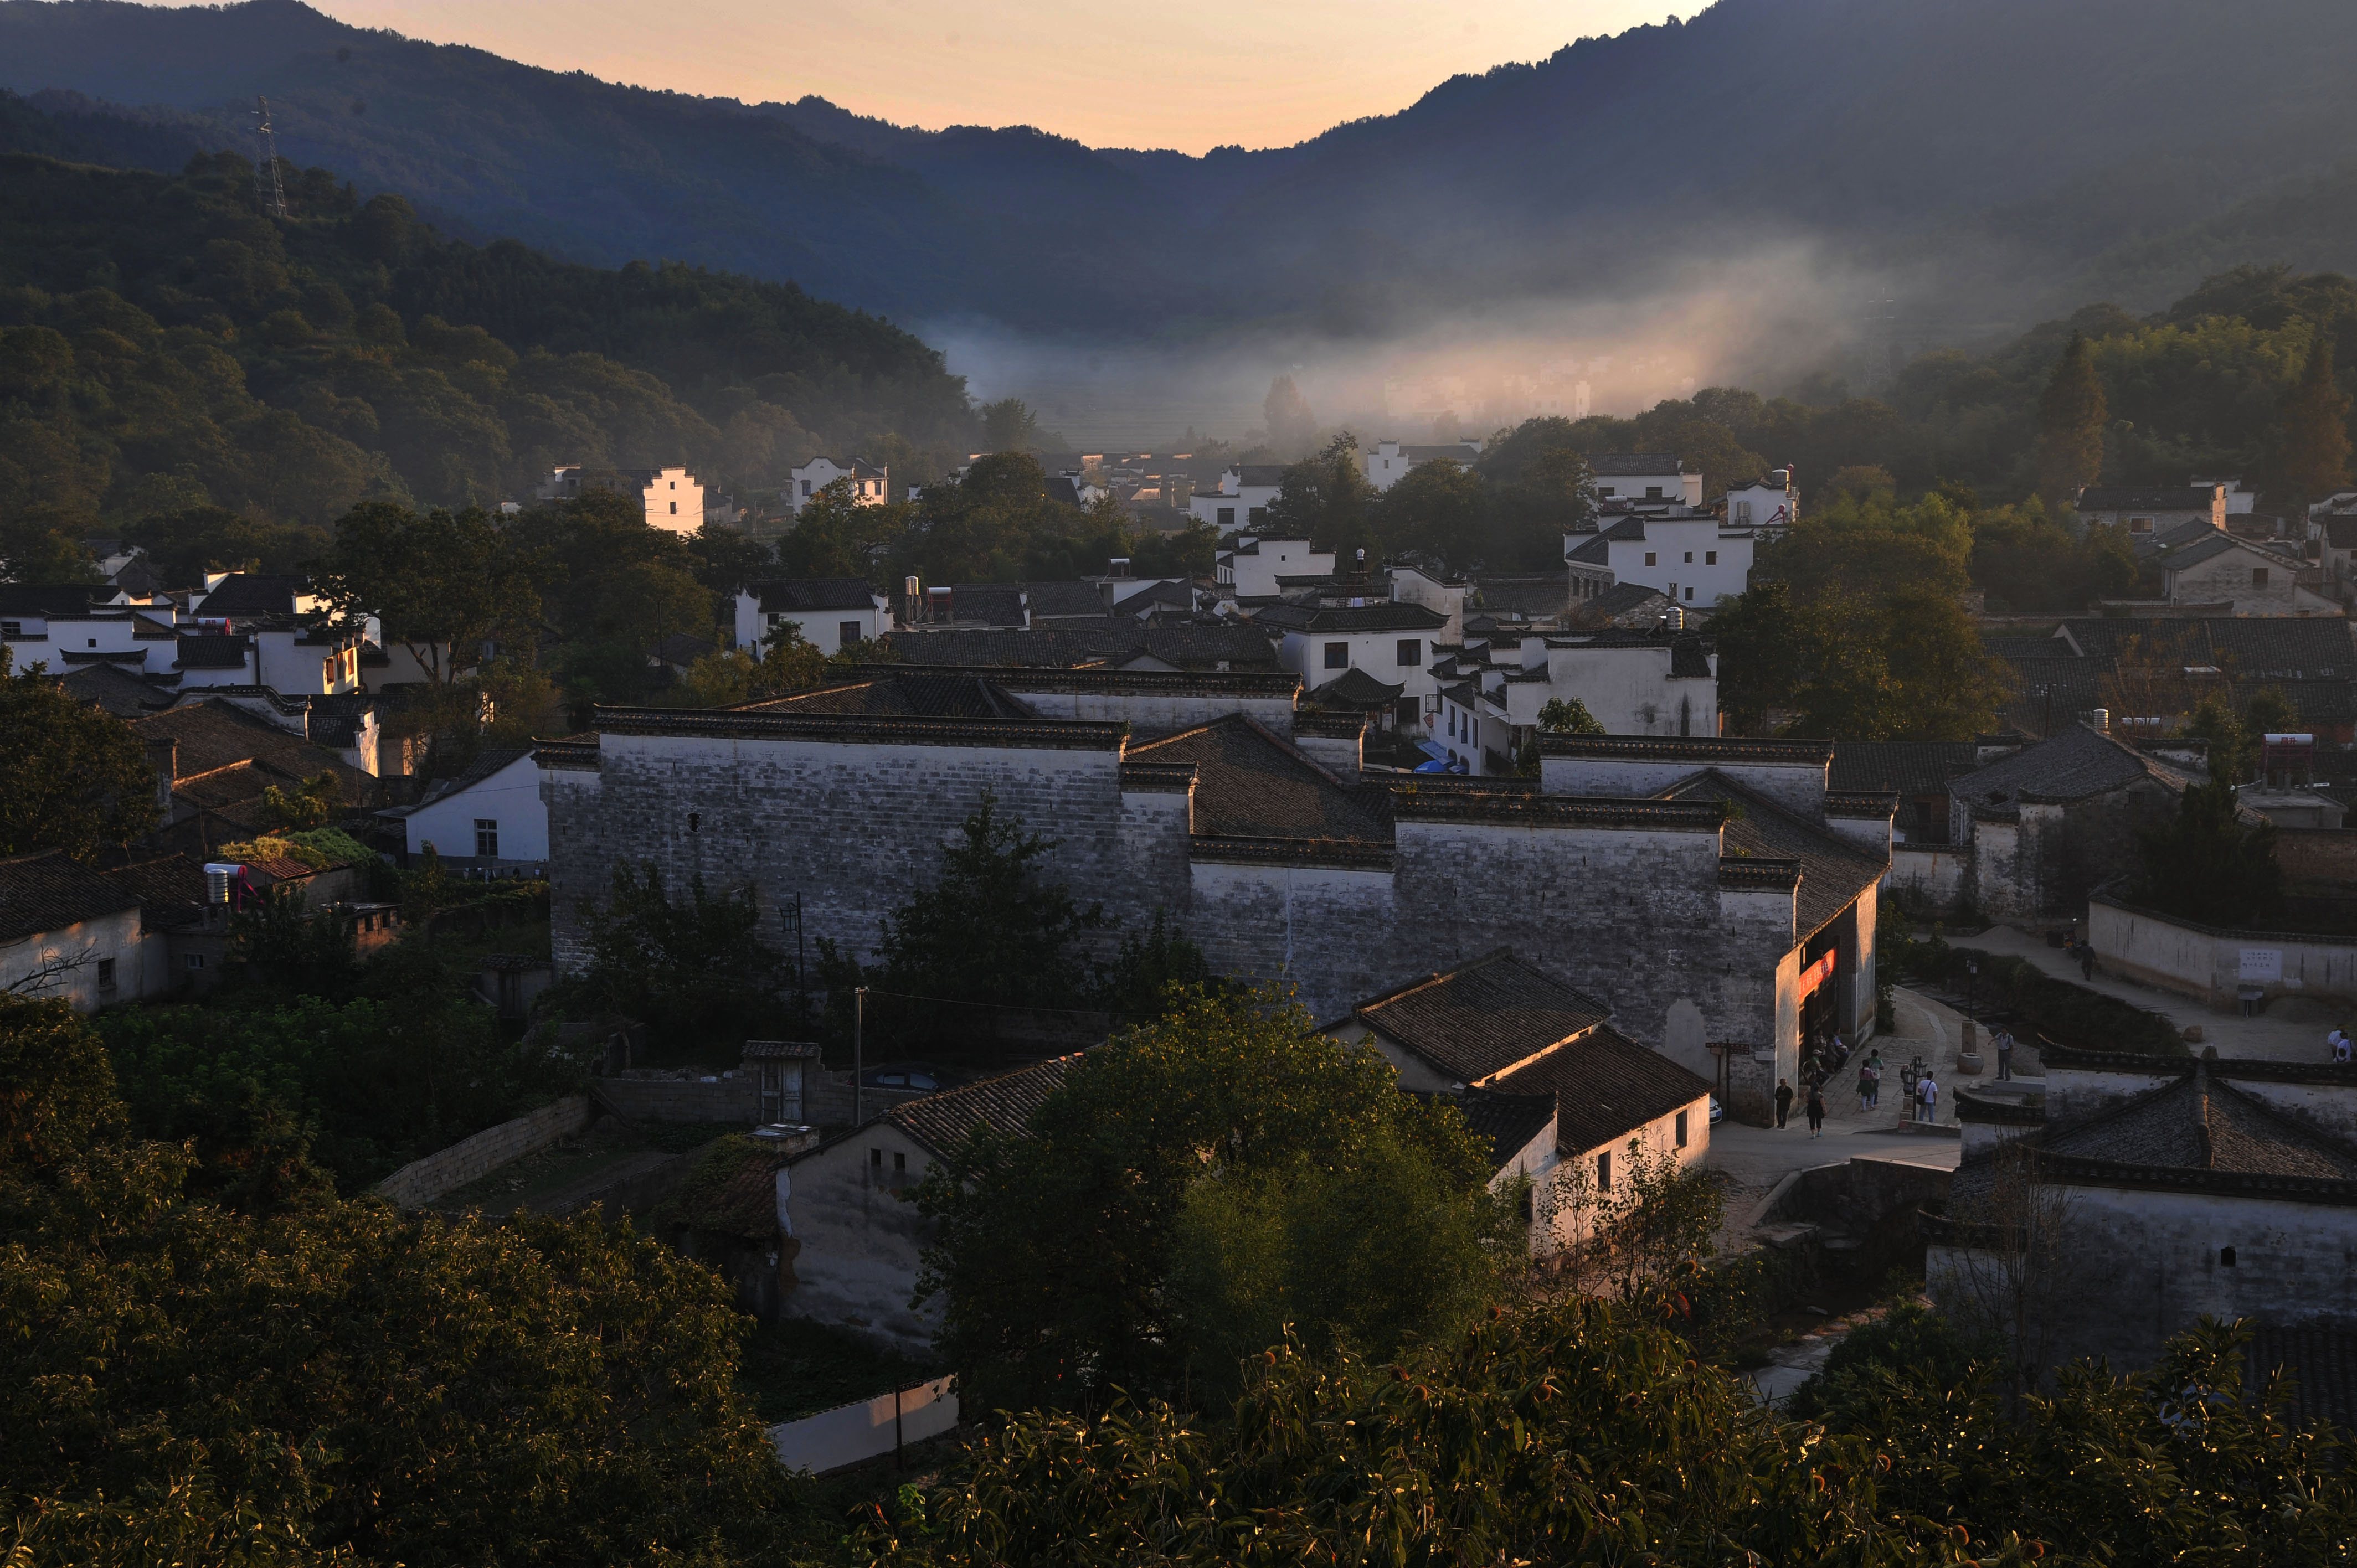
[[1873, 1067], [1927, 1094], [1817, 1111], [2087, 963], [2004, 1054], [2335, 1046], [1864, 1087], [1783, 1099], [2340, 1051]]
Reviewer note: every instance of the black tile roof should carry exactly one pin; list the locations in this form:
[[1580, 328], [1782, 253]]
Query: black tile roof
[[1594, 551], [1355, 689], [1509, 1120], [249, 593], [1606, 1087], [339, 720], [944, 1122], [214, 735], [912, 693], [1533, 596], [2205, 1123], [1190, 647], [1396, 616], [1903, 767], [2165, 498], [1833, 871], [813, 594], [2074, 764], [1483, 1018], [170, 890], [47, 599], [1058, 601], [215, 652], [1249, 784], [2321, 1359], [46, 891], [115, 690], [1633, 465]]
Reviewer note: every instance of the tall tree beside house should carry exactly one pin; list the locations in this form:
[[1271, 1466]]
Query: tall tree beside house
[[2314, 458], [2207, 865], [834, 536], [2070, 416], [71, 778], [1084, 1257], [1327, 499], [442, 582], [689, 963], [1008, 425]]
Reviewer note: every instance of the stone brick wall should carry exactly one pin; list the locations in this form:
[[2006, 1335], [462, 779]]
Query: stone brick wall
[[2319, 858], [2208, 961], [422, 1181], [1627, 904], [731, 1099]]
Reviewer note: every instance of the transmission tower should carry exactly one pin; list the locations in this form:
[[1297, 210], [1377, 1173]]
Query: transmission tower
[[268, 188]]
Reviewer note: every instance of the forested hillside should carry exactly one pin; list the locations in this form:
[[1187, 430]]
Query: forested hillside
[[163, 343], [1991, 159]]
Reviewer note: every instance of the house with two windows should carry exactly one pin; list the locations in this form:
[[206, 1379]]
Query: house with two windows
[[1693, 558], [832, 612], [1390, 642], [1240, 502], [2145, 511], [1390, 461], [871, 485]]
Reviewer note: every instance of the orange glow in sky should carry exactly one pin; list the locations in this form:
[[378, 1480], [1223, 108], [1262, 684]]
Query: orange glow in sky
[[1122, 73]]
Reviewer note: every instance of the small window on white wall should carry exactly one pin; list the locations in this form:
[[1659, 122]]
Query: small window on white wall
[[487, 837]]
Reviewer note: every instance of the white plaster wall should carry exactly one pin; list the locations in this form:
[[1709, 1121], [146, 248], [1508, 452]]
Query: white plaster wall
[[511, 797], [861, 1241], [1152, 714], [1698, 582], [116, 937], [2209, 965], [1629, 691], [1377, 653], [1561, 1222], [1798, 786]]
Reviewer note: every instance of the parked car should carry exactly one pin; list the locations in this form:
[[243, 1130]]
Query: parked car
[[923, 1076], [1717, 1112]]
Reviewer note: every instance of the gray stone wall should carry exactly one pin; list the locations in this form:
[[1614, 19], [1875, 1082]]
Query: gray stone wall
[[1634, 914]]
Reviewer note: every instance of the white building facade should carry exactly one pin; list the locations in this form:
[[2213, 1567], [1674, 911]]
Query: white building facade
[[870, 485]]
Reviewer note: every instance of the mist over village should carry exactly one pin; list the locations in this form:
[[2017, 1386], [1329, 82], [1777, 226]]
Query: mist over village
[[822, 787]]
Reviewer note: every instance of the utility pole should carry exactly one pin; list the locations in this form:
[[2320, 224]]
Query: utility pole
[[268, 188], [859, 1055]]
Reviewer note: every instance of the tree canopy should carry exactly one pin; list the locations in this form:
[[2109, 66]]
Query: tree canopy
[[71, 778]]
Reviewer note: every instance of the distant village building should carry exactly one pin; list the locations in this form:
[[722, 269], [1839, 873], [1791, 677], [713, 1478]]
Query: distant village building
[[1693, 559], [1492, 694], [870, 485], [832, 612], [1389, 461], [2145, 511], [1772, 502], [2244, 577], [1250, 569], [2140, 1194], [1644, 477], [1391, 642], [1535, 1066], [1240, 502], [671, 496]]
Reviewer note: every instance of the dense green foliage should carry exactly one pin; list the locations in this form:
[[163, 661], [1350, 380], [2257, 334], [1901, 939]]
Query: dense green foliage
[[2210, 864], [164, 345], [1585, 1434], [70, 778], [1193, 1185], [690, 965], [340, 1383]]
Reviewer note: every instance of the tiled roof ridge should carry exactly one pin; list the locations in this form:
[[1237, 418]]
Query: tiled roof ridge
[[1237, 849], [1436, 977], [1411, 803], [1164, 777], [1096, 676], [910, 1115], [1308, 761], [2259, 1068], [908, 729], [1699, 749], [1760, 871]]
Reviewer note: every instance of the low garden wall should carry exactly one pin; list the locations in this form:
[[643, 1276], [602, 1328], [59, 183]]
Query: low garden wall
[[2214, 963], [422, 1181]]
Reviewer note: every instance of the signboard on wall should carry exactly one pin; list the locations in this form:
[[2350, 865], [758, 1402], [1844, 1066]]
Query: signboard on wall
[[2261, 964], [1817, 973]]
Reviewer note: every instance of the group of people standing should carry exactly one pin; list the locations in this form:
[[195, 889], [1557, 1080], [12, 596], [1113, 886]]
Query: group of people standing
[[1924, 1100]]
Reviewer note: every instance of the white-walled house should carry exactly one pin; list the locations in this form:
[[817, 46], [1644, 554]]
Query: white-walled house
[[1393, 642], [854, 1241], [70, 934], [1535, 1066], [1640, 476], [1633, 683], [1773, 500], [1249, 569], [2143, 511], [672, 497], [870, 485], [1691, 556], [1241, 503], [2252, 578], [1389, 461], [490, 818], [833, 612]]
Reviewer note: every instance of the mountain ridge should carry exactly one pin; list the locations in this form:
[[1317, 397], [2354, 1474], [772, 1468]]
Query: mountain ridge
[[1940, 145]]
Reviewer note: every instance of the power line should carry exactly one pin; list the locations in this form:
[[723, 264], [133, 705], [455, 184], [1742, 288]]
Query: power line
[[268, 188]]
